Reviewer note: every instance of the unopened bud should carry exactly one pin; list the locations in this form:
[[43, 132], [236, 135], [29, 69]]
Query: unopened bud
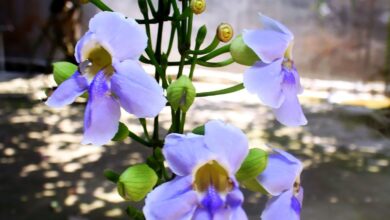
[[225, 32], [198, 6], [136, 182], [241, 53]]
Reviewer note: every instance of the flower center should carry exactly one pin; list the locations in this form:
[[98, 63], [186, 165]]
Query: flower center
[[95, 58], [213, 183], [212, 174]]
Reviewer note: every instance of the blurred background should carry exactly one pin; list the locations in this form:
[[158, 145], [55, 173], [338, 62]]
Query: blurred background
[[342, 51]]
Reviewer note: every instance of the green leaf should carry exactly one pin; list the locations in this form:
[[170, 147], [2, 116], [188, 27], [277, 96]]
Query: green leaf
[[62, 71], [136, 182], [253, 185], [199, 130], [134, 213], [122, 133], [181, 94], [111, 175], [254, 163], [241, 53]]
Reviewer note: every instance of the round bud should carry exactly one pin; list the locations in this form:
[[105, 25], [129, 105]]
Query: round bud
[[198, 6], [225, 32]]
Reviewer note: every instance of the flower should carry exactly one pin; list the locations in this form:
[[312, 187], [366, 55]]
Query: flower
[[275, 78], [205, 186], [109, 70], [281, 180]]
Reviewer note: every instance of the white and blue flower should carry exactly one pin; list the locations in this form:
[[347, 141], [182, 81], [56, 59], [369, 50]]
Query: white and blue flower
[[281, 180], [275, 78], [205, 187], [109, 70]]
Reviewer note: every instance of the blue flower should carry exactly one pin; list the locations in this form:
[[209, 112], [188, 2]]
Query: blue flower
[[281, 180], [275, 78], [205, 186], [109, 70]]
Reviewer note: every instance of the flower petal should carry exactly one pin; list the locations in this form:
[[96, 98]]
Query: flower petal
[[238, 213], [101, 119], [265, 80], [184, 152], [282, 207], [228, 142], [122, 36], [269, 45], [68, 91], [271, 24], [138, 92], [172, 200], [235, 197], [290, 112], [281, 172], [80, 45], [202, 214]]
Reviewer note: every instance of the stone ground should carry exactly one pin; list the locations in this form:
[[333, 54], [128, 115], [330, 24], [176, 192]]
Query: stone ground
[[46, 174]]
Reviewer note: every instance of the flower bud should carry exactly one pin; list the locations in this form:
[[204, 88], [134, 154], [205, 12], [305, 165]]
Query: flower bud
[[122, 132], [62, 71], [225, 32], [136, 182], [253, 165], [241, 53], [198, 6], [181, 93]]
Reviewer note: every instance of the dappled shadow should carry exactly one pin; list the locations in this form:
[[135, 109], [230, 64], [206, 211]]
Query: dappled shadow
[[46, 172]]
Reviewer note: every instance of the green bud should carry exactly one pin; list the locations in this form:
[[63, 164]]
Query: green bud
[[199, 130], [201, 35], [253, 185], [181, 94], [122, 133], [63, 70], [254, 163], [136, 182], [241, 53]]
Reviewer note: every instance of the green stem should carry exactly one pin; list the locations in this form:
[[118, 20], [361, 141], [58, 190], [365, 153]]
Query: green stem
[[232, 89], [156, 64], [208, 49], [215, 64], [177, 121], [182, 122], [147, 25], [139, 139], [100, 5], [171, 38], [142, 121], [152, 9], [217, 52], [181, 65]]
